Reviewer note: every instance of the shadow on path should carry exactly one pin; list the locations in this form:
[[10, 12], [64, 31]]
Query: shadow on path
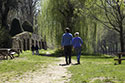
[[50, 55]]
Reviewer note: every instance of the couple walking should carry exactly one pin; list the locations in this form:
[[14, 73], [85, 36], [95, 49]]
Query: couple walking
[[67, 42]]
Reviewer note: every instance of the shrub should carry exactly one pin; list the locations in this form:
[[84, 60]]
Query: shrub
[[5, 38]]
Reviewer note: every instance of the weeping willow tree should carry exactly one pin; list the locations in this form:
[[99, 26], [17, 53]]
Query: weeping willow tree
[[56, 15]]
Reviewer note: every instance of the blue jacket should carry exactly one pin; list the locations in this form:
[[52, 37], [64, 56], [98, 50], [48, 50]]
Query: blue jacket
[[66, 39], [77, 42]]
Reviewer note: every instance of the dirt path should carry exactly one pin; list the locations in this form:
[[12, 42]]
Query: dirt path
[[51, 74]]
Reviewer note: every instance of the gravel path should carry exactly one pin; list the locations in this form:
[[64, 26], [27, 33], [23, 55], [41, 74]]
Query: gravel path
[[51, 74]]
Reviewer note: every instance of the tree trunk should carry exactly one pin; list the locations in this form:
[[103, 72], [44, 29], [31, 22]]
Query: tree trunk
[[4, 21], [69, 15], [116, 44], [69, 23], [121, 39], [4, 17]]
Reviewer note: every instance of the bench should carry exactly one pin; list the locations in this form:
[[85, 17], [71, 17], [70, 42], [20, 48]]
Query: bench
[[5, 52], [15, 51], [120, 57]]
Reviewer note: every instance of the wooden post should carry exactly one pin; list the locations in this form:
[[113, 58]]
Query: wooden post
[[119, 58]]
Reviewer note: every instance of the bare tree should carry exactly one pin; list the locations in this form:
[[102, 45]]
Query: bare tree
[[113, 17], [30, 8]]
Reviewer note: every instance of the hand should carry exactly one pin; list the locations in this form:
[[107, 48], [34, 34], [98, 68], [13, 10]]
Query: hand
[[62, 47]]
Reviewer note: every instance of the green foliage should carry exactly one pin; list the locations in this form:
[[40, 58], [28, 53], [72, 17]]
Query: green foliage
[[58, 14], [59, 52], [5, 38]]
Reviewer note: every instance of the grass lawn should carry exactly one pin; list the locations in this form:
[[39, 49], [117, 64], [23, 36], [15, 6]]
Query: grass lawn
[[93, 69], [26, 62], [97, 69]]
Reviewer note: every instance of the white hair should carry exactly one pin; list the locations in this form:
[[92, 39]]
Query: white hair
[[76, 33]]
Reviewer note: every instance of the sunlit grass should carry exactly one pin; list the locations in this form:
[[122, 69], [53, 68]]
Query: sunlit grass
[[26, 62], [48, 51], [93, 69], [97, 69]]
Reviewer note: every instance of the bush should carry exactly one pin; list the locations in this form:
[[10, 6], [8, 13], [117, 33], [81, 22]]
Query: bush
[[59, 53], [5, 38]]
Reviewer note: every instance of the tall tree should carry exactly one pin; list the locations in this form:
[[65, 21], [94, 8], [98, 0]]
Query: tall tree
[[5, 6], [58, 14], [31, 9], [113, 17]]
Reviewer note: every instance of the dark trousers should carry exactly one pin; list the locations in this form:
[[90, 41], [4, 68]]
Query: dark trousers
[[67, 53]]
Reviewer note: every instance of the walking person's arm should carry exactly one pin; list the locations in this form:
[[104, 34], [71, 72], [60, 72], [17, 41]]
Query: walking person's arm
[[62, 42], [81, 41], [73, 42]]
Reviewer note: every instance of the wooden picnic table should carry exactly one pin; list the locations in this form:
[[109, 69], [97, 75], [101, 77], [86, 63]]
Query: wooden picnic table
[[120, 54], [5, 52]]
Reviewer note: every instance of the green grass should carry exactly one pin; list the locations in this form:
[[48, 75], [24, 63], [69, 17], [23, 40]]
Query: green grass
[[47, 51], [26, 62], [93, 69], [97, 69]]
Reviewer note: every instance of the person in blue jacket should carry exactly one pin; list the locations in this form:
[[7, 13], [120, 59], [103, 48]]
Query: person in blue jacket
[[67, 45], [77, 43]]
